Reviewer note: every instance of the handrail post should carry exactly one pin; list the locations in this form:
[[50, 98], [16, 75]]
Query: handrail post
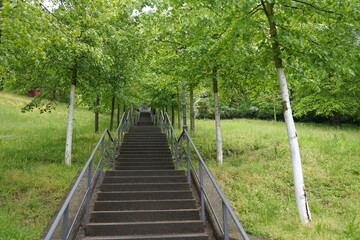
[[109, 152], [87, 211], [202, 199], [114, 154], [65, 224], [187, 151], [225, 221]]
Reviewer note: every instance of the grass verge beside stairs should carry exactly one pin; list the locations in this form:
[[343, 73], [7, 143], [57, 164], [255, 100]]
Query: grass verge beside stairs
[[33, 176], [256, 177]]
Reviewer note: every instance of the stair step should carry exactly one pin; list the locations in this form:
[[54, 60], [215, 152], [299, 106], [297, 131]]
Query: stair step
[[168, 165], [145, 168], [144, 187], [144, 205], [148, 163], [144, 228], [145, 215], [145, 144], [145, 173], [192, 236], [145, 151], [145, 179], [144, 160], [154, 195], [140, 147]]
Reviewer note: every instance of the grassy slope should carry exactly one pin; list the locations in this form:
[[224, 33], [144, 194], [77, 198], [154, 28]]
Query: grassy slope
[[257, 178], [33, 177]]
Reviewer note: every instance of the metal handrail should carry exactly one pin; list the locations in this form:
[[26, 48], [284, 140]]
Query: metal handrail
[[183, 139], [126, 121]]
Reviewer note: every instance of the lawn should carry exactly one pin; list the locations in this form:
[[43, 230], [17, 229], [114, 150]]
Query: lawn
[[33, 176], [256, 174], [257, 177]]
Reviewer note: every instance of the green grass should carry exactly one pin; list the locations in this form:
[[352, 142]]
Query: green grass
[[33, 176], [257, 178]]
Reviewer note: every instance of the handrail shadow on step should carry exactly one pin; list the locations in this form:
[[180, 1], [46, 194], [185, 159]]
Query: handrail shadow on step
[[77, 204], [213, 202]]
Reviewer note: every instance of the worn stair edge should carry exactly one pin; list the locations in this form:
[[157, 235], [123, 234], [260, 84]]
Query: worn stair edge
[[143, 186], [145, 205], [137, 195], [145, 215], [145, 173], [193, 236], [144, 228]]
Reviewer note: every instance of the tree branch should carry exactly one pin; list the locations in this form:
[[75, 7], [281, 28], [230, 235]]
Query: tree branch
[[255, 10], [316, 7]]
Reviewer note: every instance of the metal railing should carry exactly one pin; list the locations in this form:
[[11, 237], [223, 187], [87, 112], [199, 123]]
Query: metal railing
[[212, 200], [79, 206]]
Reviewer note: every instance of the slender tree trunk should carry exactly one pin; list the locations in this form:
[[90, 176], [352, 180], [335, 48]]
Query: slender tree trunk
[[219, 151], [97, 103], [179, 107], [118, 115], [69, 129], [112, 113], [300, 194], [192, 109], [124, 108]]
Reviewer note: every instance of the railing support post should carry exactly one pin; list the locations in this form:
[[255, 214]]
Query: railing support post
[[202, 198], [109, 152], [65, 224], [188, 158], [87, 208], [225, 221]]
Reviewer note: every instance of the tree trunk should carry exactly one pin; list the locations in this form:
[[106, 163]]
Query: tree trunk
[[69, 129], [219, 151], [300, 194], [112, 113], [192, 109], [179, 107], [97, 103], [335, 119]]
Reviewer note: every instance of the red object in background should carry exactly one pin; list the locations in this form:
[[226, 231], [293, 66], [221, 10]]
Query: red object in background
[[33, 93]]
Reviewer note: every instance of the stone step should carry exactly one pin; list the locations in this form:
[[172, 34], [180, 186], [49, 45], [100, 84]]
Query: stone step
[[145, 155], [145, 168], [128, 150], [143, 187], [146, 195], [192, 236], [144, 205], [145, 179], [144, 228], [144, 164], [145, 215], [139, 160], [145, 173]]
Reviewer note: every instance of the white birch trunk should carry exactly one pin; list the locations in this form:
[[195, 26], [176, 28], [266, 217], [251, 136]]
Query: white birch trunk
[[219, 150], [300, 195], [69, 129]]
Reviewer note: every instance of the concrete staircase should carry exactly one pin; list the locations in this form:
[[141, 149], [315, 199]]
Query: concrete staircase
[[145, 197]]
